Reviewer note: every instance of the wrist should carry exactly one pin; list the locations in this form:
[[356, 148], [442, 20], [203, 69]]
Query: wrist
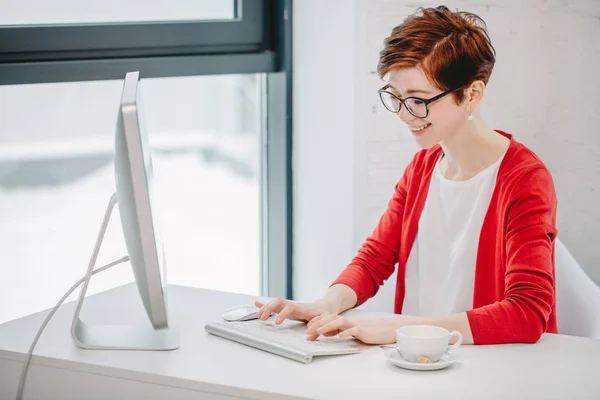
[[339, 298], [329, 305]]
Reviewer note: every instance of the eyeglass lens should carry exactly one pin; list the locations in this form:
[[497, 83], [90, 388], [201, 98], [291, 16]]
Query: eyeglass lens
[[415, 106]]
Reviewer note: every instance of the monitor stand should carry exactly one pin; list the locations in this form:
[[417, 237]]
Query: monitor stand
[[116, 337]]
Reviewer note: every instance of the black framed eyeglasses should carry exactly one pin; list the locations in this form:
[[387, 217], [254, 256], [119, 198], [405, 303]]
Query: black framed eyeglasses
[[415, 105]]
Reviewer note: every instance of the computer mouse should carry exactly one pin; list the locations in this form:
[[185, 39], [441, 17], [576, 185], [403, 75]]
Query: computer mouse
[[241, 313]]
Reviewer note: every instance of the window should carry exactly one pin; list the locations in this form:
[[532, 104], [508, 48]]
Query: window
[[32, 12], [219, 126], [251, 42]]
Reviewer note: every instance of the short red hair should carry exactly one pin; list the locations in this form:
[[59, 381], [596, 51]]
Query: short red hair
[[453, 48]]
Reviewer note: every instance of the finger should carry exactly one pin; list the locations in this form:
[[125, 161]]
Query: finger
[[314, 328], [285, 312], [272, 306], [320, 316], [354, 331], [312, 337], [260, 305], [316, 319], [320, 323], [336, 325], [315, 336]]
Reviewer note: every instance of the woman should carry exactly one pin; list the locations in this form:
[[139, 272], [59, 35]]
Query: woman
[[472, 222]]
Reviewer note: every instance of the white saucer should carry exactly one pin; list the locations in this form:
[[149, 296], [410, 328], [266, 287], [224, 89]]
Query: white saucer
[[446, 360]]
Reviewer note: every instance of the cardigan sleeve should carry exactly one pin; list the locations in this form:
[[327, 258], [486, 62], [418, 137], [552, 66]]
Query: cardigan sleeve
[[376, 259], [529, 297]]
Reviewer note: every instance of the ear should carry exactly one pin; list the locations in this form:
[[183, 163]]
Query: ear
[[474, 95]]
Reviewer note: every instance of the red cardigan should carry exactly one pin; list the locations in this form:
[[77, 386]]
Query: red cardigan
[[514, 292]]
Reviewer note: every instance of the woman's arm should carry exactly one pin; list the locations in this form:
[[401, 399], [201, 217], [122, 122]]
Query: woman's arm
[[377, 257], [383, 331], [361, 279], [339, 298], [529, 294], [454, 322]]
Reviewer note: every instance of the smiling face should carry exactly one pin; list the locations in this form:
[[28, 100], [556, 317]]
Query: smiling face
[[445, 118]]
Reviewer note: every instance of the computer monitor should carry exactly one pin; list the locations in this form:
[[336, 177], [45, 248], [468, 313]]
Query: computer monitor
[[137, 208], [140, 224]]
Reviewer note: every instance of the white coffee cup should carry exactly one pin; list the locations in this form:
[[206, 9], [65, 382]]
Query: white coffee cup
[[414, 341]]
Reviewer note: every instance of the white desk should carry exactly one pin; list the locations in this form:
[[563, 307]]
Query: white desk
[[206, 366]]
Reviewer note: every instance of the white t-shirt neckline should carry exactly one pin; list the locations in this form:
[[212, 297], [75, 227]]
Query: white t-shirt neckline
[[491, 169]]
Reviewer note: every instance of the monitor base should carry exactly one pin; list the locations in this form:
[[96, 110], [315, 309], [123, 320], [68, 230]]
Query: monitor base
[[116, 337], [123, 337]]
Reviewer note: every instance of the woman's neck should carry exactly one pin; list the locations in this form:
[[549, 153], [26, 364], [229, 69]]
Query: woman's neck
[[471, 151]]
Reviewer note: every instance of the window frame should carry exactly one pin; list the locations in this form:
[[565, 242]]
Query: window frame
[[78, 52], [78, 40], [259, 40]]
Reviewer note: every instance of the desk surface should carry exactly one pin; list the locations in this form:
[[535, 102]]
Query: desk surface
[[557, 367]]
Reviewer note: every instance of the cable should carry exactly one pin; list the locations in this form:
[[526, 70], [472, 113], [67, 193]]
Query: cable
[[49, 316]]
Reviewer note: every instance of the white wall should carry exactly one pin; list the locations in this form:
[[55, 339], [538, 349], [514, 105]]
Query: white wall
[[347, 158], [324, 96]]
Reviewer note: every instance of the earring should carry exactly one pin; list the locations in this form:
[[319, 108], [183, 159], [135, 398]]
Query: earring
[[470, 117]]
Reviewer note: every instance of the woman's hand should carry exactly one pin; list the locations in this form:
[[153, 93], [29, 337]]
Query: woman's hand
[[370, 331], [289, 310]]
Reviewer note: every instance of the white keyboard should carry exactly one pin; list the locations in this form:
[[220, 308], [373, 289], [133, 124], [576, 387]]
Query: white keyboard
[[279, 339]]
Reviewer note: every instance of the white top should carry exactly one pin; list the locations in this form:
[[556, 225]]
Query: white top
[[441, 266]]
